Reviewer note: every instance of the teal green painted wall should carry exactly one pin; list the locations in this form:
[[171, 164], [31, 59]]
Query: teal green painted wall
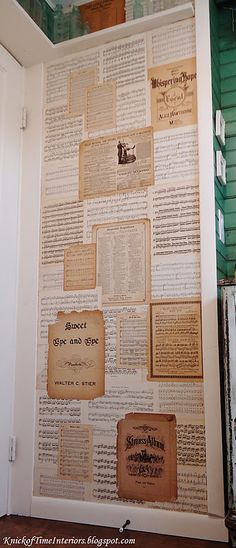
[[223, 41], [216, 98], [227, 45]]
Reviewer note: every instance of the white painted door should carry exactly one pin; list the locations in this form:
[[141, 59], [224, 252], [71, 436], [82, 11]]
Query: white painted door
[[11, 97]]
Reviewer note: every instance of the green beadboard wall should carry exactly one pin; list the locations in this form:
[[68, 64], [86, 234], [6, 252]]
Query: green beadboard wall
[[217, 33], [227, 43], [215, 15], [223, 46]]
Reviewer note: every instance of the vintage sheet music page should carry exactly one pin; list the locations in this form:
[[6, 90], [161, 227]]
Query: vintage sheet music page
[[61, 226], [80, 267], [60, 181], [176, 276], [78, 83], [174, 209], [101, 107], [132, 340], [76, 364], [147, 459], [75, 460], [51, 414], [112, 359], [125, 61], [180, 144], [176, 340], [107, 209], [182, 44], [57, 75], [173, 94]]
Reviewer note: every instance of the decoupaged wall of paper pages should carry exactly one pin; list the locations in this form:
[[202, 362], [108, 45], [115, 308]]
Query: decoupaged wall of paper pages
[[120, 174]]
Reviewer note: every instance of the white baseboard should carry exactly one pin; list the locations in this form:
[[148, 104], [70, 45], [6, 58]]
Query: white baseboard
[[142, 519]]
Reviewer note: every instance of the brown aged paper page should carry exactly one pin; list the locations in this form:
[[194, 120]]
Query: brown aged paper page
[[133, 339], [78, 83], [123, 261], [176, 341], [76, 367], [147, 458], [173, 95], [80, 267], [102, 14], [75, 460], [120, 162], [101, 107]]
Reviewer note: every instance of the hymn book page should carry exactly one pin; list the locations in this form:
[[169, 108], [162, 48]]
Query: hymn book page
[[123, 261]]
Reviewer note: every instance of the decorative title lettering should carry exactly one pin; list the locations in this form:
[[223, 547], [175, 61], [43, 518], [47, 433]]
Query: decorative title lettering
[[182, 79], [149, 441], [70, 325]]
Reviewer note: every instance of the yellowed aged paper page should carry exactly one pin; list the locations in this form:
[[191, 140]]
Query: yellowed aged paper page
[[120, 162], [80, 267], [173, 94], [147, 457], [102, 14], [78, 83], [75, 456], [76, 367], [133, 340], [123, 261], [176, 340], [101, 107]]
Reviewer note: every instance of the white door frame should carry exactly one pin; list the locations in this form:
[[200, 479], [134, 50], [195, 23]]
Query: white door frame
[[11, 101], [27, 298]]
